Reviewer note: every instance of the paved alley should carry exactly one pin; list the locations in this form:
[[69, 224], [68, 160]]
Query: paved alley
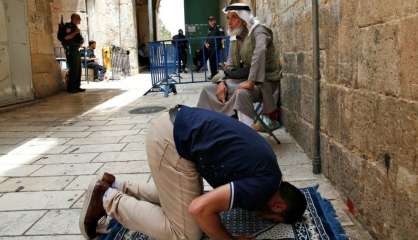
[[50, 150]]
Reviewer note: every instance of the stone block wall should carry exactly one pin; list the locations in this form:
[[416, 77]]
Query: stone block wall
[[46, 73], [66, 8], [369, 101], [128, 31]]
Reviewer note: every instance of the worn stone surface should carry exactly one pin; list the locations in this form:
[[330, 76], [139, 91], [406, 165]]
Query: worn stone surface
[[38, 200], [46, 78], [378, 206], [96, 148], [348, 44], [396, 136], [121, 156], [377, 11], [408, 55], [306, 109], [16, 223], [114, 133], [57, 222], [368, 101], [379, 60], [67, 158], [61, 179], [112, 128], [138, 146], [82, 182], [51, 237], [68, 169], [32, 184], [17, 170], [125, 167], [14, 159]]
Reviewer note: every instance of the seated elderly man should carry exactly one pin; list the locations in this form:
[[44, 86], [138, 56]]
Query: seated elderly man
[[251, 70]]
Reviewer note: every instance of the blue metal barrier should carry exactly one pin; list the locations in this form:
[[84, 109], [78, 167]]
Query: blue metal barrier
[[163, 65], [165, 61]]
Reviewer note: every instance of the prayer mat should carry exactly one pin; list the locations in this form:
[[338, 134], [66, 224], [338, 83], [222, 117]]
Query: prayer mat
[[319, 223]]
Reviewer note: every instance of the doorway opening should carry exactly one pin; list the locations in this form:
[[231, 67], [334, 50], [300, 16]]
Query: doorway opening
[[15, 58]]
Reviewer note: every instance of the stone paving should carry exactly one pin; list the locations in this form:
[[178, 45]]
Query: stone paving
[[49, 151]]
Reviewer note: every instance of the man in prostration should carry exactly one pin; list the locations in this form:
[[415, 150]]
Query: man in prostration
[[183, 146]]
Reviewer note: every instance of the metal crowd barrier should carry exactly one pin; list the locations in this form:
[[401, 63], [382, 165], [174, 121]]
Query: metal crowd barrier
[[120, 62], [163, 66], [165, 61]]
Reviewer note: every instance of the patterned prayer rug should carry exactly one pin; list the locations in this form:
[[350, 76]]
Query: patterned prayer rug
[[319, 223]]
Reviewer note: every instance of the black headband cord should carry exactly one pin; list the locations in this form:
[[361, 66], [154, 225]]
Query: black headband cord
[[237, 8]]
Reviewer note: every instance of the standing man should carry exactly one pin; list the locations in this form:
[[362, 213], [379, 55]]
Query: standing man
[[91, 59], [213, 46], [181, 43], [72, 43], [183, 146]]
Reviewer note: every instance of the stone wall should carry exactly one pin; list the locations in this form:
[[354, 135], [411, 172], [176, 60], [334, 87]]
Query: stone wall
[[369, 101], [46, 73], [109, 22], [66, 8]]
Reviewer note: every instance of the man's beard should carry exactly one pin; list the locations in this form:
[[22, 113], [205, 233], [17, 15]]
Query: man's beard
[[236, 32]]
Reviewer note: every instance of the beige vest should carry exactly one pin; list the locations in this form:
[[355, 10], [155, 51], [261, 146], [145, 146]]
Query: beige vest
[[242, 52]]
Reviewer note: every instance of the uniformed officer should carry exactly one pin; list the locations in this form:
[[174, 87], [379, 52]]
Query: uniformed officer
[[72, 43], [213, 47], [181, 43]]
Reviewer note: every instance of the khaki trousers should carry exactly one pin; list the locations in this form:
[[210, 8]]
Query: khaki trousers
[[160, 210]]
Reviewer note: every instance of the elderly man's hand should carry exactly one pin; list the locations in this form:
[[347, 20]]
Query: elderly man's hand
[[225, 67], [249, 85], [221, 92]]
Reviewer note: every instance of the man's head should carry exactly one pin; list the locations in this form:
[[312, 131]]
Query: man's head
[[286, 205], [235, 23], [181, 32], [239, 17], [75, 18], [212, 21], [92, 44]]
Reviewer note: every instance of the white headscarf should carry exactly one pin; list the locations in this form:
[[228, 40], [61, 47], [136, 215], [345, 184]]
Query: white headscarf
[[245, 15]]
